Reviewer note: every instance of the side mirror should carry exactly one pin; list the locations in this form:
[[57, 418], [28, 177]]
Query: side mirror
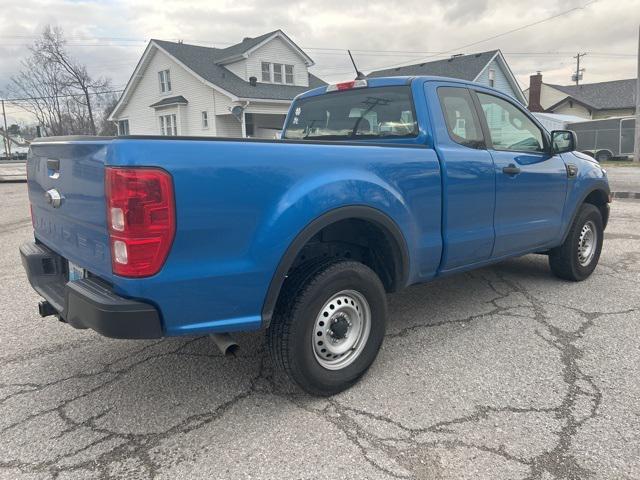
[[563, 141]]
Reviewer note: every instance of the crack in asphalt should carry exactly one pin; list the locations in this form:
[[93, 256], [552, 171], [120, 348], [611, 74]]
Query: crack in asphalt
[[558, 462], [132, 444], [393, 455]]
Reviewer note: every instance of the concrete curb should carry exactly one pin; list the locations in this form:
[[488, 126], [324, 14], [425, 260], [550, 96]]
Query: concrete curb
[[8, 179], [634, 195]]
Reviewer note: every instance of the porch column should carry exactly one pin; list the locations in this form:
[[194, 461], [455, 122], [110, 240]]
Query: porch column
[[244, 125]]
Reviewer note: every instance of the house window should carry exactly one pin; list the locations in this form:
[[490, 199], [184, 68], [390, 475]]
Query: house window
[[205, 119], [168, 125], [165, 81], [123, 127], [281, 73], [492, 77], [288, 74], [277, 73], [266, 72]]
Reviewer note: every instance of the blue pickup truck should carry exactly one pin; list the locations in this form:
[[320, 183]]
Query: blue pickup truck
[[375, 185]]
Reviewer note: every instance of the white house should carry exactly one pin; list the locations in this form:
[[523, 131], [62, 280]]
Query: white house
[[240, 91], [487, 68]]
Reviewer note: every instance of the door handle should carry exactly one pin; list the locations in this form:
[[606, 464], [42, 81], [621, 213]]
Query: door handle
[[511, 169]]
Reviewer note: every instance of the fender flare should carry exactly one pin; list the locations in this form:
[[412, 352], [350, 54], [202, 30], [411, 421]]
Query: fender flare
[[601, 188], [390, 227]]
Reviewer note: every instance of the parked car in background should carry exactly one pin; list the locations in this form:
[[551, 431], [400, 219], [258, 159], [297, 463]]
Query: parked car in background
[[376, 185]]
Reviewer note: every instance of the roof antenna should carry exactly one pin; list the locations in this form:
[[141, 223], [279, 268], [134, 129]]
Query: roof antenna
[[359, 74]]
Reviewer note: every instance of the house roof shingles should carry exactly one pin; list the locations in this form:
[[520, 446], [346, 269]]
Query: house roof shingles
[[464, 67], [239, 48], [204, 62], [170, 101], [603, 95]]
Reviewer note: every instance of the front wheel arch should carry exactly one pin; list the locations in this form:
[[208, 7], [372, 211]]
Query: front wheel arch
[[599, 197]]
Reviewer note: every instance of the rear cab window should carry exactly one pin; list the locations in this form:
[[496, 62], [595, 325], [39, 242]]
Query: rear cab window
[[358, 114], [460, 117]]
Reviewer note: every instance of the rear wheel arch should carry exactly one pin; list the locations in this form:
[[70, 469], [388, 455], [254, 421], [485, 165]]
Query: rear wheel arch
[[383, 224], [603, 154]]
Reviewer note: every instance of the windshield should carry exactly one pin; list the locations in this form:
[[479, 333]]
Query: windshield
[[382, 112]]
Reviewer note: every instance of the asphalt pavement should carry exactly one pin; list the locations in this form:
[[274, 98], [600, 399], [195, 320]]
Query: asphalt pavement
[[499, 373], [624, 179]]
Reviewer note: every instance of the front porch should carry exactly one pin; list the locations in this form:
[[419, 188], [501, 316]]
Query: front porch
[[252, 120]]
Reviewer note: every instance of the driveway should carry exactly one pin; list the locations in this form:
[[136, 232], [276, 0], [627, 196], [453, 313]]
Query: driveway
[[501, 373]]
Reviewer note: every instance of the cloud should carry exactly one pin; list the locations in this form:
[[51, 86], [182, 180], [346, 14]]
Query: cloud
[[391, 25]]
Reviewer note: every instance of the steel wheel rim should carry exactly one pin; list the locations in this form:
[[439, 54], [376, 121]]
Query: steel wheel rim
[[345, 313], [587, 243]]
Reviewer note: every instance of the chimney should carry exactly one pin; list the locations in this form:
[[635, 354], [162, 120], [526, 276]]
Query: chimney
[[535, 88]]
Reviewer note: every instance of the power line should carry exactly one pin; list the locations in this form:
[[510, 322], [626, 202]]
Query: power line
[[51, 97], [493, 37]]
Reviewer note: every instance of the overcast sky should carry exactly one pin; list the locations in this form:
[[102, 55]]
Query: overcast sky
[[110, 35]]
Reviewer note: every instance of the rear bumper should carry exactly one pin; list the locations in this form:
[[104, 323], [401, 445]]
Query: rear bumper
[[87, 303]]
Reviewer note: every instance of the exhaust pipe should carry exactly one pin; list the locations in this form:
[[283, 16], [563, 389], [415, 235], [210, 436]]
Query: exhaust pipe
[[225, 343]]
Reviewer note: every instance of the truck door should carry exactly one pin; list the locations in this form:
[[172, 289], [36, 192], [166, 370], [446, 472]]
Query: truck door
[[531, 184], [468, 177]]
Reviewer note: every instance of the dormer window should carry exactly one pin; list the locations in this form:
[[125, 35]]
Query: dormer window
[[266, 72], [288, 73], [165, 81], [277, 73]]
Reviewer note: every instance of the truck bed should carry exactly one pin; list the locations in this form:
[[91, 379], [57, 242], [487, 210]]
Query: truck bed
[[239, 204]]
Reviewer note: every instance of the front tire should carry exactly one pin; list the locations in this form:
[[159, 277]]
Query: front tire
[[578, 256], [328, 326]]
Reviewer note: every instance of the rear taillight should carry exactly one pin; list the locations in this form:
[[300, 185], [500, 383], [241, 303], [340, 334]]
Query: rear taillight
[[141, 219]]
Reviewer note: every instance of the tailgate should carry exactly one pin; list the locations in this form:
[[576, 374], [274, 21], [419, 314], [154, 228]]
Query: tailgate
[[76, 226]]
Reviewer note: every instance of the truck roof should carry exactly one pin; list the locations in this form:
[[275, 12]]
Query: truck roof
[[391, 81]]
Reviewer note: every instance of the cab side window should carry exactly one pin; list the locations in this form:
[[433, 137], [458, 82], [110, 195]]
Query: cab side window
[[509, 127], [460, 117]]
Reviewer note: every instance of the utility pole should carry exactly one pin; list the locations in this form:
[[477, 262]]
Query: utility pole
[[576, 77], [7, 143], [636, 157]]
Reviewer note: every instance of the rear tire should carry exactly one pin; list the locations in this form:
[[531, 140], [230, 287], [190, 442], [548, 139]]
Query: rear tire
[[328, 326], [578, 256]]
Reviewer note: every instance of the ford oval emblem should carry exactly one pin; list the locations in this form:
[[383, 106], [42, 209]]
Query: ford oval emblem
[[53, 197]]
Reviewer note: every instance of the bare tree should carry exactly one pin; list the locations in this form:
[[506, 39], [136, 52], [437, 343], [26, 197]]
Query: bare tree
[[57, 89], [52, 47], [40, 91], [108, 127]]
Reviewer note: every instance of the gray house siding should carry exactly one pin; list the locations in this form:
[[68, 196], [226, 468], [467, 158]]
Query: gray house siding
[[501, 83], [471, 67]]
